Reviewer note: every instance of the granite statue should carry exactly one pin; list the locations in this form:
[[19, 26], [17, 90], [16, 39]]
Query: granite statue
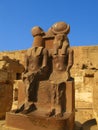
[[35, 66], [62, 60], [49, 102]]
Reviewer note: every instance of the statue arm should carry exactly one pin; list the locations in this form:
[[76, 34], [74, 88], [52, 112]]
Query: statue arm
[[26, 63], [70, 59], [45, 58], [65, 46]]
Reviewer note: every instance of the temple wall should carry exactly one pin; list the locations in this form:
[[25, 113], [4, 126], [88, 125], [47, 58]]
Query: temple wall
[[19, 55], [85, 73]]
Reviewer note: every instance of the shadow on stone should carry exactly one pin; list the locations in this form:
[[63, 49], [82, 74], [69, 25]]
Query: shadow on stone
[[86, 125], [78, 125]]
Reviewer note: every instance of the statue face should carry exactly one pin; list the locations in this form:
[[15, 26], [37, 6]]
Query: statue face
[[59, 37], [58, 41]]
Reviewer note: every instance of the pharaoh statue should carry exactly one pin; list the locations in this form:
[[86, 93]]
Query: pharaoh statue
[[49, 88], [62, 61], [35, 67]]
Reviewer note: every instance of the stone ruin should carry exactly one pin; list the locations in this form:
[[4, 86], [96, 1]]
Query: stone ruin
[[47, 86], [84, 71], [10, 70]]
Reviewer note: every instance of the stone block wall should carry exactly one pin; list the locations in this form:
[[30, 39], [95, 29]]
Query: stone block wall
[[85, 71], [10, 70], [18, 55]]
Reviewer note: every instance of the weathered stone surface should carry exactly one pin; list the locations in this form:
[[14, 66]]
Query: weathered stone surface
[[95, 96], [10, 69], [83, 115], [84, 70], [61, 113], [18, 55], [4, 76], [38, 121], [6, 98]]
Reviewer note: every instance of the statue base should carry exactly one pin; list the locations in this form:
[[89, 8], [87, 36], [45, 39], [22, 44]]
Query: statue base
[[39, 121]]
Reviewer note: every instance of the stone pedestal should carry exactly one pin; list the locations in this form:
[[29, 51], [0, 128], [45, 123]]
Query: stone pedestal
[[38, 120]]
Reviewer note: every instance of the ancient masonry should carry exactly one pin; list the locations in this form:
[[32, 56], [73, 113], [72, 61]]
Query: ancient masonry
[[84, 70]]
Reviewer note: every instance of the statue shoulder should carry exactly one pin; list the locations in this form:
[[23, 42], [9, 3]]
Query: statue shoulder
[[45, 51], [29, 50]]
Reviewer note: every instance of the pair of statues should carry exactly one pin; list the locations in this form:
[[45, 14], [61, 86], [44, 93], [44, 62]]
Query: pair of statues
[[36, 63]]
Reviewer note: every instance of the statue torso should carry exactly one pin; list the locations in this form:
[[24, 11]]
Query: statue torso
[[60, 61], [35, 57]]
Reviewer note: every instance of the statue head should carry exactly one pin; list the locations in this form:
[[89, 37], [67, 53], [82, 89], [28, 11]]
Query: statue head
[[38, 34], [37, 31]]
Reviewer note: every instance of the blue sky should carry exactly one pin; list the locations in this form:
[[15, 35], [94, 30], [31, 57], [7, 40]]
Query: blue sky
[[17, 17]]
